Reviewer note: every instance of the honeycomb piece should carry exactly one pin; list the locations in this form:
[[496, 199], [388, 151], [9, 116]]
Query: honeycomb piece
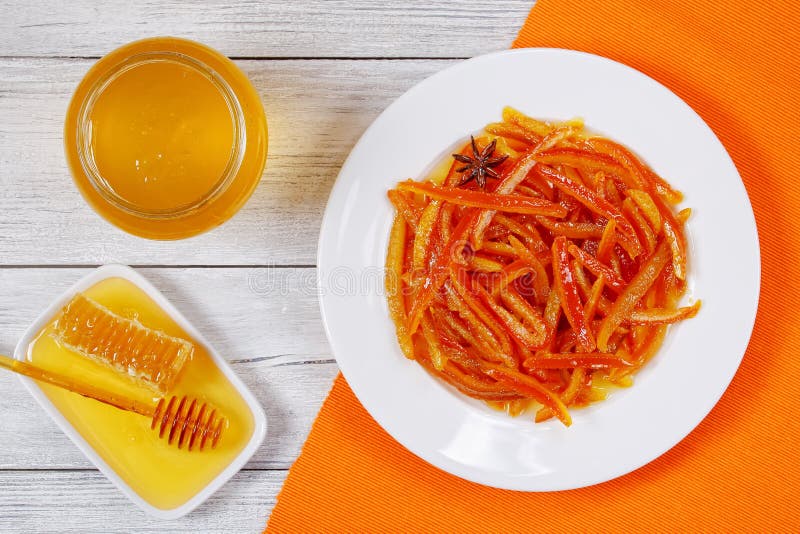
[[149, 357]]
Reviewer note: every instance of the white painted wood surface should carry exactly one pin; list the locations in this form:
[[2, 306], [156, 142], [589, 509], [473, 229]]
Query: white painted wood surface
[[325, 69], [85, 502], [316, 111], [266, 28]]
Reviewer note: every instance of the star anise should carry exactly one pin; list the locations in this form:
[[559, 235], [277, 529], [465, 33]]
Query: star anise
[[479, 167]]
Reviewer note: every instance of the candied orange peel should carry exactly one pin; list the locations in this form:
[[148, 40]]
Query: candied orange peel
[[549, 284]]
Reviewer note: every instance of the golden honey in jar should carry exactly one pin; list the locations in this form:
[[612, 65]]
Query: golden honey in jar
[[166, 138], [160, 473]]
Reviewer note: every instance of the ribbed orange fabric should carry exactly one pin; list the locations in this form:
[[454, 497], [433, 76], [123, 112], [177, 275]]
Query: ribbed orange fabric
[[737, 64]]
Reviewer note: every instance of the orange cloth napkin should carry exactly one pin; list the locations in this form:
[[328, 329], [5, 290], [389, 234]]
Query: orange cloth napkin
[[737, 64]]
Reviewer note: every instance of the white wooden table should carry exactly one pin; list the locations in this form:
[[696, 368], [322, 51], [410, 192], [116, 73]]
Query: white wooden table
[[324, 69]]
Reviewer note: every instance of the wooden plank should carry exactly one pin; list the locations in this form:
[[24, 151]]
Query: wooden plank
[[246, 313], [84, 502], [316, 111], [266, 321], [272, 28]]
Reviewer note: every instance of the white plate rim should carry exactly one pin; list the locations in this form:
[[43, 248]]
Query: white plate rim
[[329, 226]]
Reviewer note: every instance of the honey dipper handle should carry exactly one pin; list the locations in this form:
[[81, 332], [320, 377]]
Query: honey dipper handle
[[65, 382]]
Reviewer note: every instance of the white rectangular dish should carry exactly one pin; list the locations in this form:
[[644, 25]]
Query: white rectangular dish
[[259, 418]]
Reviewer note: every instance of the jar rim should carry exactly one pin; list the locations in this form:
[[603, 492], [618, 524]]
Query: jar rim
[[85, 150]]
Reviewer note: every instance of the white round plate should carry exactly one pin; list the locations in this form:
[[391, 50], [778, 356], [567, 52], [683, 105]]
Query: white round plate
[[671, 395]]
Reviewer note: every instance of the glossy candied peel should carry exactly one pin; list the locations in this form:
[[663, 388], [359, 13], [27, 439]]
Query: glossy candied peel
[[150, 357], [541, 268]]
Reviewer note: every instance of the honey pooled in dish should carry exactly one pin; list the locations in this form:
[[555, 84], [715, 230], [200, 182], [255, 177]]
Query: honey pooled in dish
[[149, 356], [161, 474]]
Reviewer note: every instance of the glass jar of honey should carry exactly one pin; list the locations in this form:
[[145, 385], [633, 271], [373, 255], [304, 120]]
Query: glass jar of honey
[[166, 138]]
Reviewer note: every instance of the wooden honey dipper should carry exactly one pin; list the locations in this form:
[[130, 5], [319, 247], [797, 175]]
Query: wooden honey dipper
[[185, 421], [150, 358]]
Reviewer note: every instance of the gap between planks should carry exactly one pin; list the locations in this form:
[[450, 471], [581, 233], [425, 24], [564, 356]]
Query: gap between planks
[[158, 266], [267, 58], [95, 470]]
